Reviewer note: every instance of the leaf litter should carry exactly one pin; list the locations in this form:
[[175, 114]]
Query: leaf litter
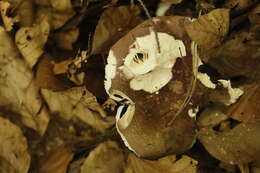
[[52, 62]]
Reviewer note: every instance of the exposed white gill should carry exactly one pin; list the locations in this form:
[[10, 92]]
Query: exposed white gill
[[234, 93], [124, 115], [146, 67], [110, 70]]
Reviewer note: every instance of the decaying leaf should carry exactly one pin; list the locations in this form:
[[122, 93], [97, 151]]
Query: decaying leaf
[[18, 90], [238, 146], [172, 1], [211, 116], [45, 77], [113, 24], [78, 103], [61, 5], [56, 161], [55, 18], [8, 21], [13, 148], [31, 40], [209, 30], [167, 164], [25, 11], [254, 17], [236, 58], [238, 5], [106, 157], [248, 106], [65, 39]]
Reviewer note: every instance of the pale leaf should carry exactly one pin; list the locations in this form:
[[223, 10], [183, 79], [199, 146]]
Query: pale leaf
[[31, 40], [166, 164], [13, 147], [18, 90], [80, 104], [106, 157], [8, 21]]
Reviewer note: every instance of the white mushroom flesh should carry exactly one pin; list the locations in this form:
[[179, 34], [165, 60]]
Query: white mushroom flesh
[[234, 93], [149, 69]]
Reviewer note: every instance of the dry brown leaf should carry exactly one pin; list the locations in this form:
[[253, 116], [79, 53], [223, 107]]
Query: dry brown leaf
[[25, 11], [57, 161], [106, 157], [78, 103], [31, 40], [113, 24], [248, 106], [209, 30], [237, 146], [256, 166], [238, 5], [254, 17], [18, 90], [172, 1], [8, 21], [45, 77], [61, 5], [65, 39], [237, 57], [13, 148], [166, 165]]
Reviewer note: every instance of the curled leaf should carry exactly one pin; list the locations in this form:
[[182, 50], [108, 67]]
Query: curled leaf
[[107, 157], [13, 148], [238, 146], [113, 24], [31, 40]]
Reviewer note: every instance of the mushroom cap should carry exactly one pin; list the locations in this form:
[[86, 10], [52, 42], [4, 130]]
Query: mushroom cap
[[147, 131]]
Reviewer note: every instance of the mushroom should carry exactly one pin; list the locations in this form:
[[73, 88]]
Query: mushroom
[[150, 82]]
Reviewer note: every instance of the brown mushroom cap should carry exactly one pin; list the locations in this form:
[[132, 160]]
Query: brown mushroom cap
[[149, 133]]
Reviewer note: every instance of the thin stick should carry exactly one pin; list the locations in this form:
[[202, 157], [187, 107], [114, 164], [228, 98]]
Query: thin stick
[[153, 24]]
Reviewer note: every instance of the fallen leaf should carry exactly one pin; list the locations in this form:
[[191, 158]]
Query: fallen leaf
[[65, 39], [237, 58], [25, 11], [106, 157], [248, 106], [45, 77], [254, 18], [211, 116], [167, 164], [113, 24], [61, 5], [237, 146], [13, 148], [8, 21], [78, 103], [172, 1], [57, 161], [209, 30], [238, 5], [31, 40], [18, 91], [256, 166]]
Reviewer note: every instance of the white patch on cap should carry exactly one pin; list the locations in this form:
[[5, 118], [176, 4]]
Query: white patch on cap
[[110, 70], [122, 122], [152, 81], [144, 63], [162, 8], [234, 93]]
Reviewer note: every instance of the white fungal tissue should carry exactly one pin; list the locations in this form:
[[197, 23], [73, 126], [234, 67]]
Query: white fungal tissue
[[146, 67]]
